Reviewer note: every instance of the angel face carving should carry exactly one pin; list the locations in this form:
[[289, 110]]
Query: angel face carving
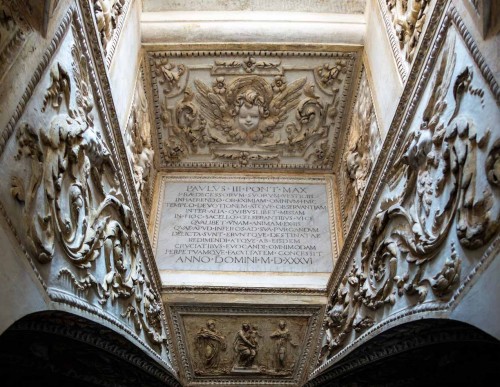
[[249, 109]]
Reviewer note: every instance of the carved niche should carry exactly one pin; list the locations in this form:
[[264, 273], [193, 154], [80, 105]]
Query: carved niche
[[249, 109], [361, 148], [438, 217], [137, 139], [66, 204], [244, 345]]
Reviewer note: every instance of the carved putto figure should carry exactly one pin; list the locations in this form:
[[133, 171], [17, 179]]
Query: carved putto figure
[[248, 110], [210, 343], [246, 346], [282, 339]]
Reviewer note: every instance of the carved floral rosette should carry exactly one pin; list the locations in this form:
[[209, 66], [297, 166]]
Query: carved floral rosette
[[65, 202], [437, 218], [249, 109]]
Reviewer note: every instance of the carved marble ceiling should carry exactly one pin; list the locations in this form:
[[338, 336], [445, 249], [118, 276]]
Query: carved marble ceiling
[[258, 109]]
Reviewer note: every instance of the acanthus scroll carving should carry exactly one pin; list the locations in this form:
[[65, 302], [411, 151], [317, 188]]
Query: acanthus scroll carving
[[74, 211], [445, 179], [248, 111]]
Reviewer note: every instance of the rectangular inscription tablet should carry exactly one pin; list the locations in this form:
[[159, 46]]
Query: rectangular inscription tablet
[[244, 226]]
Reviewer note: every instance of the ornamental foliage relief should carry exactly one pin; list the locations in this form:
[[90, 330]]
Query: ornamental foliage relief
[[66, 200], [249, 109], [137, 138], [108, 17], [440, 208], [362, 146]]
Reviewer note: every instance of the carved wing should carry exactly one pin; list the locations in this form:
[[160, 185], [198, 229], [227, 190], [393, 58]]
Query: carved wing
[[214, 107], [286, 101]]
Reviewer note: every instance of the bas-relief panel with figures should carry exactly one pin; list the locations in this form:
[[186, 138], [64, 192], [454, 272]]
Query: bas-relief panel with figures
[[241, 346], [250, 109]]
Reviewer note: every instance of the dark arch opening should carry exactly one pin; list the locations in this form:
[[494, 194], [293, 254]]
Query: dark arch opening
[[61, 349], [427, 352]]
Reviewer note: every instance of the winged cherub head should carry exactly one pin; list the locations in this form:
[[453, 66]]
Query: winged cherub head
[[249, 109]]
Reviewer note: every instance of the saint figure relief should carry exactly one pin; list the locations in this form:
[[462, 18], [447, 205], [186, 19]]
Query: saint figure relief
[[283, 340], [210, 344], [246, 346]]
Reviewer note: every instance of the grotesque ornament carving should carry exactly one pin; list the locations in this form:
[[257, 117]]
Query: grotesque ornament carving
[[74, 210], [107, 13], [408, 18], [250, 111], [138, 144], [169, 74], [362, 147], [436, 185]]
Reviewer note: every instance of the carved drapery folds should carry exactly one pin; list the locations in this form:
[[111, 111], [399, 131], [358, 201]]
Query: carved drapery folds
[[138, 143], [361, 149], [247, 110], [66, 200], [440, 204]]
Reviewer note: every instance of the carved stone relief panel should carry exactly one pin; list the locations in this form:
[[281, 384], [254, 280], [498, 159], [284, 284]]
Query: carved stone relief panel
[[437, 220], [244, 346], [109, 18], [249, 109], [361, 148], [405, 21], [137, 138], [64, 199]]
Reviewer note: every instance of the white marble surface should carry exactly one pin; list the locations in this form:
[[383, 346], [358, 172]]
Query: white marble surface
[[277, 27], [248, 227], [333, 6]]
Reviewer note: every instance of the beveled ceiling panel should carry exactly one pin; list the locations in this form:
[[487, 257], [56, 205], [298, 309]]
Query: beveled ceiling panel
[[250, 109]]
